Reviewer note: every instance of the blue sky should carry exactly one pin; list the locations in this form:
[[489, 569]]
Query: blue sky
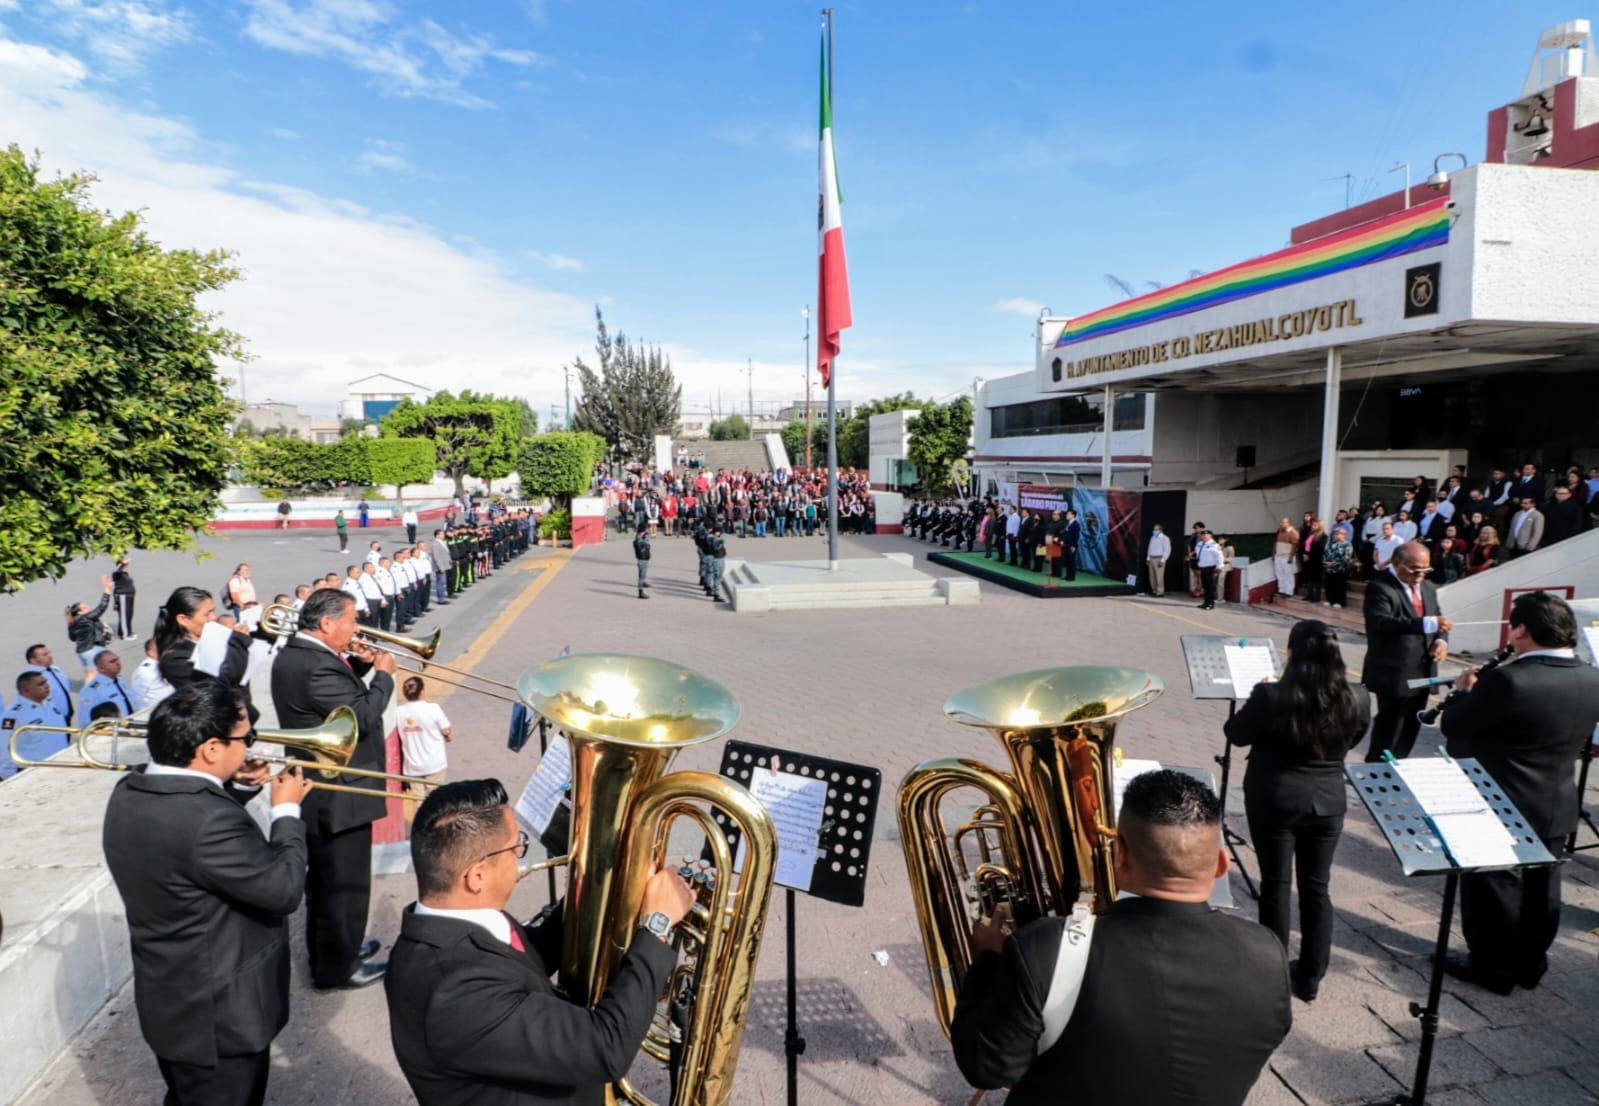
[[445, 190]]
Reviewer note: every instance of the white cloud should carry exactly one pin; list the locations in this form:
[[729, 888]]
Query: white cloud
[[284, 133], [1020, 305], [331, 290], [44, 71], [422, 60], [119, 33], [385, 157], [554, 260]]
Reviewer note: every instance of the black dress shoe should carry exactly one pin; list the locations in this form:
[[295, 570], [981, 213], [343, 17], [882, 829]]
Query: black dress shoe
[[369, 948], [364, 976], [1303, 989], [1462, 968]]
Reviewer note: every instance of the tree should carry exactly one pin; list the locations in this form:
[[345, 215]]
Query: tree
[[471, 434], [113, 420], [631, 398], [731, 429], [397, 461], [351, 427], [939, 437], [793, 436], [278, 464], [560, 464]]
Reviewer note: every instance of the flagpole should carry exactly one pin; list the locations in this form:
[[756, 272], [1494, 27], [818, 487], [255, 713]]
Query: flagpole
[[832, 378]]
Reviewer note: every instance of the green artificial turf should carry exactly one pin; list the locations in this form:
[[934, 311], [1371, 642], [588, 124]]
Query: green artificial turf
[[995, 565]]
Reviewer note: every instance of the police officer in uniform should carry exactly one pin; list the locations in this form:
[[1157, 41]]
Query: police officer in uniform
[[106, 686], [718, 553], [32, 708]]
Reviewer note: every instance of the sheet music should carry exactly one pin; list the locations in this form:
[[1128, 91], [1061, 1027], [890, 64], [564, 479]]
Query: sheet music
[[795, 804], [1440, 786], [546, 786], [1248, 665], [1125, 773], [260, 653], [212, 648], [1476, 840]]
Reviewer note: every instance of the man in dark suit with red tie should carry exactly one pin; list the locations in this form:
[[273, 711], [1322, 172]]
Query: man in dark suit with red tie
[[207, 896], [473, 1015], [320, 668], [1526, 722], [1406, 636]]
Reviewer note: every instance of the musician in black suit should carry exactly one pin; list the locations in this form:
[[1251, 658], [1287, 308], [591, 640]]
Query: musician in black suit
[[1298, 730], [473, 1015], [207, 896], [1529, 485], [1526, 722], [320, 668], [1177, 1002], [1406, 637]]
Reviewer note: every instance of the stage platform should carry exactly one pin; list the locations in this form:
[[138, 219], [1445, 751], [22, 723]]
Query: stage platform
[[1037, 584]]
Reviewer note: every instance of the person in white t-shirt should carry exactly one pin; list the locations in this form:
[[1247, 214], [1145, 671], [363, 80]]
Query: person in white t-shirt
[[424, 732]]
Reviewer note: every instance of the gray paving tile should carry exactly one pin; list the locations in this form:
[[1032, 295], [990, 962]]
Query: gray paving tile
[[1454, 1063], [1547, 1089]]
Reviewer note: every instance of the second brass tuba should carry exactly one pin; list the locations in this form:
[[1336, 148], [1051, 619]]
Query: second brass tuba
[[1040, 837], [625, 719]]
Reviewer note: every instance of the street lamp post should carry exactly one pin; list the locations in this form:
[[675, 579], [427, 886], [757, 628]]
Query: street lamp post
[[806, 312], [567, 370]]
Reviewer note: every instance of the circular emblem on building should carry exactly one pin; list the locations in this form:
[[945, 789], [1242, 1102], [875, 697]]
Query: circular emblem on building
[[1422, 290]]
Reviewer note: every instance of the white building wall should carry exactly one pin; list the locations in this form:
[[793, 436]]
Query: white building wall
[[888, 440], [1198, 434], [1063, 457], [1530, 266]]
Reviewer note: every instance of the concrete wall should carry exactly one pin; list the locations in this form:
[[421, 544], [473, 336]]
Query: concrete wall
[[1480, 598], [1257, 511], [1198, 432], [1535, 241], [776, 452], [65, 950], [1399, 465]]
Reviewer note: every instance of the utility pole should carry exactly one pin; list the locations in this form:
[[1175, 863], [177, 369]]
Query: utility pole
[[567, 370], [806, 312]]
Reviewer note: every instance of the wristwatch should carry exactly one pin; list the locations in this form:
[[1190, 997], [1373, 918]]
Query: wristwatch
[[659, 925]]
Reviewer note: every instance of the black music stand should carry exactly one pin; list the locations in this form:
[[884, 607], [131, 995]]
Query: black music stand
[[1420, 851], [843, 847], [1582, 812], [1210, 678]]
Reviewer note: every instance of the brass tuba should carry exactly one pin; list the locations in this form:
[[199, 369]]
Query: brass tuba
[[1041, 837], [625, 719]]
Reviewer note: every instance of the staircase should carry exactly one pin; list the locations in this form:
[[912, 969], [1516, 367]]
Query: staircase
[[734, 456], [1348, 618]]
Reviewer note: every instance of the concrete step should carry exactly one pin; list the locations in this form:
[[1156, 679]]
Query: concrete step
[[1347, 618]]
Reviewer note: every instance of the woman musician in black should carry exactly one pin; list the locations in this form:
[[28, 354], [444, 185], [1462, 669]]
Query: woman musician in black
[[1298, 730]]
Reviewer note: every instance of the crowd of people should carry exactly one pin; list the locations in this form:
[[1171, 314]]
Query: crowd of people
[[393, 588], [771, 504], [1468, 526]]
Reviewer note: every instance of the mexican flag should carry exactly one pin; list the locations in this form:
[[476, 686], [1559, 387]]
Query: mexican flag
[[832, 314]]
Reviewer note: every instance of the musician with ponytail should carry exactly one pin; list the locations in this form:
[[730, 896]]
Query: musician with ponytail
[[1298, 731], [180, 625]]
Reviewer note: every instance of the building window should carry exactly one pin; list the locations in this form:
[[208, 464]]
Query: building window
[[1065, 415], [1054, 370]]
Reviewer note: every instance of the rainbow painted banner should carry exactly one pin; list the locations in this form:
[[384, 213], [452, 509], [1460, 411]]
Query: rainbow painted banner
[[1420, 228]]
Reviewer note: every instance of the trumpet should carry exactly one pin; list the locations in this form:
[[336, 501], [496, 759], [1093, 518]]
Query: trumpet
[[330, 746], [282, 620]]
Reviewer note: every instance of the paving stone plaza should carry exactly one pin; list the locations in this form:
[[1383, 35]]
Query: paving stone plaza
[[867, 686]]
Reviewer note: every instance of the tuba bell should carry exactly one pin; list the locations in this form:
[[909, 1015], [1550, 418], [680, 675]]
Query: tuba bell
[[1040, 839], [625, 719]]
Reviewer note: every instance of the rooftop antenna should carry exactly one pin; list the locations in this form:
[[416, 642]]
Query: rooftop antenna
[[1349, 185], [1118, 283]]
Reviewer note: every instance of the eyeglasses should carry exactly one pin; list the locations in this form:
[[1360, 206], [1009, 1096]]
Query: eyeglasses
[[1413, 570], [248, 739], [520, 848]]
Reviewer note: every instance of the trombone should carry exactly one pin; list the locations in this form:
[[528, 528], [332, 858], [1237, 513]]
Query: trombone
[[282, 620], [330, 746]]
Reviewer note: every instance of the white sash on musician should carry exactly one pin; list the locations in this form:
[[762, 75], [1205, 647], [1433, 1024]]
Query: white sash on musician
[[1071, 962]]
